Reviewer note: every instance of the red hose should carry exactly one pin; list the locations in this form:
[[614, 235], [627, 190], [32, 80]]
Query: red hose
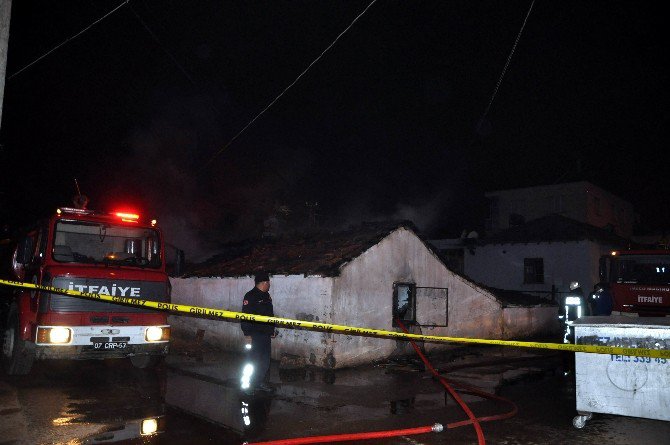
[[478, 392], [354, 436], [466, 389], [472, 419]]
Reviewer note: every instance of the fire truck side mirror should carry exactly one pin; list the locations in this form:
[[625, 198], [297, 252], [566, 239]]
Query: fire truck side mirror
[[22, 256], [24, 251]]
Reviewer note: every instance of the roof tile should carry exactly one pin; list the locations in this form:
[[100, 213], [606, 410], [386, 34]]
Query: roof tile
[[313, 254]]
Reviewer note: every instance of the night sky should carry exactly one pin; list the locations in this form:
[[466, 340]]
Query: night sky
[[385, 125]]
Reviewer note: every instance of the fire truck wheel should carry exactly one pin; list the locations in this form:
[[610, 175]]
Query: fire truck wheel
[[146, 361], [17, 354]]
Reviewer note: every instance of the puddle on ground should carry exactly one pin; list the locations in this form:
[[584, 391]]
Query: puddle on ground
[[376, 397], [200, 402]]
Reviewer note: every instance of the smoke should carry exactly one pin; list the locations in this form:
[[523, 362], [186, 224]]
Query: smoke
[[156, 173], [161, 158], [425, 213], [163, 173], [425, 216]]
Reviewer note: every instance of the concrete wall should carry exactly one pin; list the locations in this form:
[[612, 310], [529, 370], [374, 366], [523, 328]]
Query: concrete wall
[[604, 209], [363, 296], [501, 265], [535, 202], [525, 322], [295, 296], [581, 201]]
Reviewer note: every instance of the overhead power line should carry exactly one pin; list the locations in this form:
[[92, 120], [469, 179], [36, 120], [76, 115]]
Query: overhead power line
[[163, 47], [292, 83], [502, 74], [68, 40]]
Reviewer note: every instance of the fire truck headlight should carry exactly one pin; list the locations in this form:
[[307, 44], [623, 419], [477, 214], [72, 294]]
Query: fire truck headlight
[[60, 335], [149, 426], [157, 333], [56, 335], [573, 301]]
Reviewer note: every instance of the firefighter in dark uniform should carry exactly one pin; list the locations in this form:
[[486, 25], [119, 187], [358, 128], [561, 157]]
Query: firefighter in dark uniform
[[600, 300], [257, 336]]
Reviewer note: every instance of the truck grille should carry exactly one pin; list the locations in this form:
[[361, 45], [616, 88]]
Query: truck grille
[[99, 339], [154, 291]]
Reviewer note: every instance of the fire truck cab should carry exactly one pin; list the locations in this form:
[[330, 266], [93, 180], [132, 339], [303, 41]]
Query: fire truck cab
[[639, 281], [117, 254]]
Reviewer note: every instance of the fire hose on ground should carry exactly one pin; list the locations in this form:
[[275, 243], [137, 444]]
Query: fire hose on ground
[[353, 436], [468, 390], [436, 428]]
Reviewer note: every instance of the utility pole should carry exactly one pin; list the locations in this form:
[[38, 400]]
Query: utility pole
[[5, 13]]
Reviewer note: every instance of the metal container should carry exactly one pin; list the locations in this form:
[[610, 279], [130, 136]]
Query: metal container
[[622, 384]]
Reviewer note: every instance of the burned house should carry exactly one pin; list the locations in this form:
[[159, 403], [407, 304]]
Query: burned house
[[361, 277]]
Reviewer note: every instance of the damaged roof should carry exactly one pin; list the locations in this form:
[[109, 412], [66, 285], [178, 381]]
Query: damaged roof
[[554, 228], [321, 253]]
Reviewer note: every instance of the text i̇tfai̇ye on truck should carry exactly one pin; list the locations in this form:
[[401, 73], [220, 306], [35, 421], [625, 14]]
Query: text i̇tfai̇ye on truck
[[116, 254], [638, 281]]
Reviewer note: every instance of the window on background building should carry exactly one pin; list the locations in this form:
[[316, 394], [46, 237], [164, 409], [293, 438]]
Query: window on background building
[[533, 270], [404, 303]]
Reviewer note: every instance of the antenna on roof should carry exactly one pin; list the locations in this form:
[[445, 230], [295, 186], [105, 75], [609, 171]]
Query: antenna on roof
[[80, 201]]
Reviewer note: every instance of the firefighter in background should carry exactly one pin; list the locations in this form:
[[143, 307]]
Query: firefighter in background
[[257, 336], [572, 307], [600, 300]]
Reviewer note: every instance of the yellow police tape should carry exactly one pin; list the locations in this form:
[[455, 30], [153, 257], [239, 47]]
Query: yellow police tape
[[340, 329]]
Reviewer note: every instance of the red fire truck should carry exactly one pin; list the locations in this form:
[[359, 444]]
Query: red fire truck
[[116, 254], [639, 281]]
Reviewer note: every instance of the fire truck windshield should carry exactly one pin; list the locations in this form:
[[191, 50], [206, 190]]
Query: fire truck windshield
[[641, 269], [92, 242]]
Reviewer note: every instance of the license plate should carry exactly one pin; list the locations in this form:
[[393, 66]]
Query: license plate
[[110, 345]]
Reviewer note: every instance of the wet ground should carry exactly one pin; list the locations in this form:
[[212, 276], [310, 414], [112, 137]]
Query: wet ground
[[194, 399]]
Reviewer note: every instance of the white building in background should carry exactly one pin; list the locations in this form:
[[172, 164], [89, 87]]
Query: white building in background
[[361, 277], [533, 257], [581, 201]]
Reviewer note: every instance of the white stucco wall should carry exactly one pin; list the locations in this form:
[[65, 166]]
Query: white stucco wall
[[501, 265], [294, 296], [524, 322], [363, 296]]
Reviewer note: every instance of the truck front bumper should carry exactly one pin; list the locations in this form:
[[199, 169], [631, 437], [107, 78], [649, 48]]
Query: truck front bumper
[[88, 352], [91, 342]]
